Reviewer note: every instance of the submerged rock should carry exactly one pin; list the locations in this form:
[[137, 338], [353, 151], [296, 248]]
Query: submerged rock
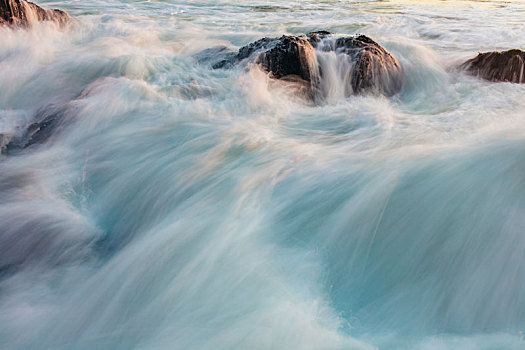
[[4, 141], [507, 66], [24, 13], [47, 123], [374, 69], [215, 54]]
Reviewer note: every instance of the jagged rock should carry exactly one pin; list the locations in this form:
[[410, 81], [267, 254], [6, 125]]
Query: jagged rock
[[24, 13], [374, 68], [506, 66]]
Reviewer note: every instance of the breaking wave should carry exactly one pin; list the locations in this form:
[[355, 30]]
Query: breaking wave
[[178, 207]]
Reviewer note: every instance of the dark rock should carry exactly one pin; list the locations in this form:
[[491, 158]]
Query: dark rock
[[214, 55], [284, 56], [47, 123], [506, 66], [374, 69], [289, 56], [315, 37], [4, 141], [24, 13]]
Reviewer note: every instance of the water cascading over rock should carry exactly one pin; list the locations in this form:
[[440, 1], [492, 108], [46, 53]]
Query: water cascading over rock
[[372, 69], [505, 66], [47, 122], [24, 13]]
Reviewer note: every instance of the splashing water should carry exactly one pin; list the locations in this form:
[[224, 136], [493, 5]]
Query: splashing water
[[180, 207]]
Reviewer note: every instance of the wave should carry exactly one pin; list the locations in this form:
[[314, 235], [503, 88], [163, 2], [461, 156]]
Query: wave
[[183, 207]]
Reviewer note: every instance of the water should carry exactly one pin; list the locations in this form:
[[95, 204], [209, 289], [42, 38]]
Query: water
[[179, 207]]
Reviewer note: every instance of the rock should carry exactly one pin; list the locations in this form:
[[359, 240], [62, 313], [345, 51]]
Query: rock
[[24, 13], [290, 56], [47, 122], [284, 56], [508, 66], [374, 69], [214, 54], [4, 141], [316, 37]]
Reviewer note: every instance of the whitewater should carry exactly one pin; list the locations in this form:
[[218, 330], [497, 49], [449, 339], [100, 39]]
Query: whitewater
[[181, 207]]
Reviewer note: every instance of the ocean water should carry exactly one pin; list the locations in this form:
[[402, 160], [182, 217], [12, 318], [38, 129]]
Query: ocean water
[[180, 207]]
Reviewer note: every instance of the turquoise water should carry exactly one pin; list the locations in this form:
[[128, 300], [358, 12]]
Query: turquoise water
[[179, 207]]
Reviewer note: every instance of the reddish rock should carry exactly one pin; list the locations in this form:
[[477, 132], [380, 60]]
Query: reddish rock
[[506, 66], [375, 69], [24, 13]]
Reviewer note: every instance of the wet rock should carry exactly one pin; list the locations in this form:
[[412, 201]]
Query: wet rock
[[290, 56], [507, 66], [287, 55], [214, 55], [316, 37], [4, 141], [24, 13], [47, 123], [374, 69]]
